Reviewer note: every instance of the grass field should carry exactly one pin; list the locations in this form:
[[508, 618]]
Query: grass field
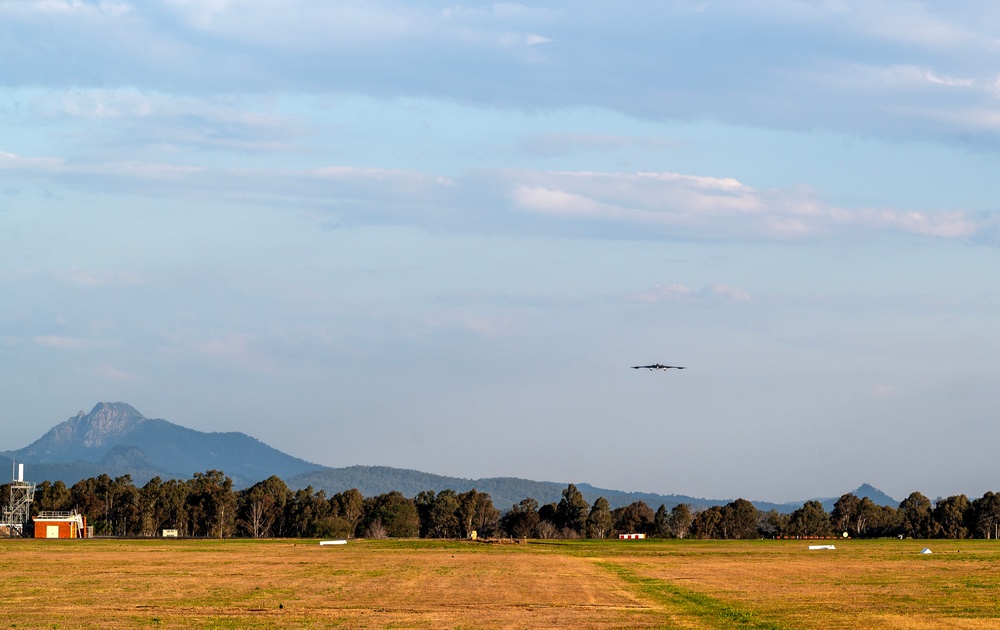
[[554, 584]]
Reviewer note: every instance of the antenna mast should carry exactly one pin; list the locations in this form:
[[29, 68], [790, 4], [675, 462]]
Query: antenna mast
[[17, 512]]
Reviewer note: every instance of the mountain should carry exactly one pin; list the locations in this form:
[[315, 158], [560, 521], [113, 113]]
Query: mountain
[[864, 490], [116, 439], [505, 491]]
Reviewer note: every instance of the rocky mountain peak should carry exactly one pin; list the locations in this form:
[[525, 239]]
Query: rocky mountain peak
[[105, 422]]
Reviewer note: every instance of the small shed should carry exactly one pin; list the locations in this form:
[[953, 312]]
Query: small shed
[[631, 536], [60, 525]]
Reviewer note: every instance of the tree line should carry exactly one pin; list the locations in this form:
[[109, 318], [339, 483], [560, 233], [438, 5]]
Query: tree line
[[207, 506]]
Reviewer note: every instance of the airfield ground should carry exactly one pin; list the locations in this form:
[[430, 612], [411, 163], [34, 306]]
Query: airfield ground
[[556, 584]]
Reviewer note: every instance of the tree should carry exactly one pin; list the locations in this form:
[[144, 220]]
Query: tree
[[915, 516], [162, 505], [986, 510], [810, 520], [634, 518], [521, 521], [599, 521], [123, 512], [87, 501], [547, 529], [262, 506], [212, 505], [51, 497], [867, 519], [331, 527], [706, 523], [396, 514], [171, 506], [548, 519], [739, 520], [350, 506], [884, 522], [680, 520], [476, 513], [844, 511], [304, 508], [773, 523], [661, 522], [572, 510], [952, 517], [444, 521]]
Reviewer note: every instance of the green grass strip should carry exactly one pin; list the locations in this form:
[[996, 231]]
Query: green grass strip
[[705, 608]]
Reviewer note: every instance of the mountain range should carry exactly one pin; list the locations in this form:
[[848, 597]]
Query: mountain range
[[115, 439]]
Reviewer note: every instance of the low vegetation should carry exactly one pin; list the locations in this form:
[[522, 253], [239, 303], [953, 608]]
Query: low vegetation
[[296, 583]]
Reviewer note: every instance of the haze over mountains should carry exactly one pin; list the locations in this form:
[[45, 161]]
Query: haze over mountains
[[115, 439]]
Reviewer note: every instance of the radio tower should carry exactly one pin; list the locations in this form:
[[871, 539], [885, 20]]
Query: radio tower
[[18, 511]]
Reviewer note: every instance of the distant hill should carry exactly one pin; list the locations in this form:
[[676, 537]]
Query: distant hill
[[116, 439], [865, 490], [505, 491]]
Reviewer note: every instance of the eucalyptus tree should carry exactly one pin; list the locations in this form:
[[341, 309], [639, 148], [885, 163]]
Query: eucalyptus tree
[[212, 504], [773, 523], [393, 513], [987, 515], [572, 510], [262, 507], [303, 508], [661, 522], [521, 521], [634, 518], [739, 520], [444, 519], [87, 499], [680, 520], [477, 513], [349, 505], [599, 521], [953, 517], [843, 514], [915, 516], [810, 520], [161, 506], [51, 497], [705, 523]]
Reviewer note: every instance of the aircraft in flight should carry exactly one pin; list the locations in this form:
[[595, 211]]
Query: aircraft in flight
[[657, 366]]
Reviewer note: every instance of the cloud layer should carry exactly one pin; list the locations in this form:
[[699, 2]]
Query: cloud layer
[[895, 69]]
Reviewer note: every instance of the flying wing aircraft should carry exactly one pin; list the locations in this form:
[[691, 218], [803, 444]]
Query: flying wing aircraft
[[658, 366]]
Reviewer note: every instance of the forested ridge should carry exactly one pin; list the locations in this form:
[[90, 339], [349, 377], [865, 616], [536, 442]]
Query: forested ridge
[[207, 505]]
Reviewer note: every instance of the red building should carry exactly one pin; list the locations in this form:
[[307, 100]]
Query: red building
[[60, 525]]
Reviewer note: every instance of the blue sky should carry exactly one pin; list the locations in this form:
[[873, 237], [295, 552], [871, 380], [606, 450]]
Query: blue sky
[[434, 235]]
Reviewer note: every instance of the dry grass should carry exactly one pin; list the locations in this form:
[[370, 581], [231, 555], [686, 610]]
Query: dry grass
[[690, 584]]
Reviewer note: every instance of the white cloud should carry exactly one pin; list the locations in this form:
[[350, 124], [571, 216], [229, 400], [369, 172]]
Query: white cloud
[[799, 64], [719, 207], [658, 204], [730, 293]]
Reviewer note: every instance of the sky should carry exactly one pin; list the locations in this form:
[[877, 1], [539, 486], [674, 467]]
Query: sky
[[437, 236]]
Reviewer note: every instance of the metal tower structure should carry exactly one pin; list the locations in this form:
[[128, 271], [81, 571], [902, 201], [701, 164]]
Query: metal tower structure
[[17, 512]]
